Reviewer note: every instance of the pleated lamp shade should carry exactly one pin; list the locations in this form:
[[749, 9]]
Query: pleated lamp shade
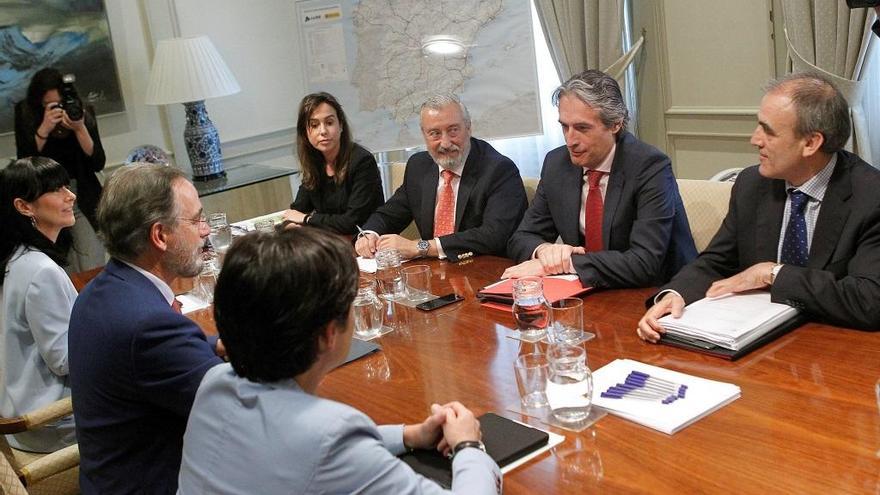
[[188, 69]]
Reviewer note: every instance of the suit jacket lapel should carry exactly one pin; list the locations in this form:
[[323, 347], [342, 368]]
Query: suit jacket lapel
[[832, 216], [469, 176], [429, 199], [614, 190], [771, 197], [572, 187]]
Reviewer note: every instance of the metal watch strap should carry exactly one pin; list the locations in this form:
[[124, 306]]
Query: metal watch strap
[[423, 247], [467, 444]]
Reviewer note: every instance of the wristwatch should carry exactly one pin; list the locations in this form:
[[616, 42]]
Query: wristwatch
[[476, 444], [423, 246]]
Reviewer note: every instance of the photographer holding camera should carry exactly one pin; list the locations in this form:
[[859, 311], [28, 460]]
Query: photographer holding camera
[[53, 122]]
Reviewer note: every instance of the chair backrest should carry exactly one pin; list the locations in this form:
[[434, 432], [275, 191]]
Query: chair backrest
[[706, 205], [531, 185], [9, 482], [396, 171]]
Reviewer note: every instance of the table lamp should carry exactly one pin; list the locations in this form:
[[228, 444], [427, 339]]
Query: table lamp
[[189, 70]]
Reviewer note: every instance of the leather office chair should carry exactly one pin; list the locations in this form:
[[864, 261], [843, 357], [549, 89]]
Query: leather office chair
[[706, 204], [9, 482], [55, 473], [397, 169]]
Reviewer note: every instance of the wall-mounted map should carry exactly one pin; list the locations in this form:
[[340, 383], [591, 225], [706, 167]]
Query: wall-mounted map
[[368, 53]]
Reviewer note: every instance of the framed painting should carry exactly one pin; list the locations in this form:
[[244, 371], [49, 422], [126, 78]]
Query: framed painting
[[71, 35]]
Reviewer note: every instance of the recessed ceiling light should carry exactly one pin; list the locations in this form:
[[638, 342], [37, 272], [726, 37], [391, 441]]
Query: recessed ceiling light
[[442, 44]]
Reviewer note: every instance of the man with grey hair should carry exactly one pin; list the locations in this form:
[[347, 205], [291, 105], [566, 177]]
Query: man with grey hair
[[135, 360], [611, 198], [464, 196], [804, 224]]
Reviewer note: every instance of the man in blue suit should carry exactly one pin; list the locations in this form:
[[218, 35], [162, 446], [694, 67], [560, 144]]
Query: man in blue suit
[[135, 361], [611, 198]]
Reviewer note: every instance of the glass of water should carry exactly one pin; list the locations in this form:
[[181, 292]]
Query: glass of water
[[568, 321], [368, 313], [530, 308], [221, 233], [570, 383], [388, 274]]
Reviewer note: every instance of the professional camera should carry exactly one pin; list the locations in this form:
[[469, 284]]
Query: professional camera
[[70, 101]]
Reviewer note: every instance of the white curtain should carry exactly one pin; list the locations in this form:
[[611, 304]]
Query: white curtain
[[826, 36]]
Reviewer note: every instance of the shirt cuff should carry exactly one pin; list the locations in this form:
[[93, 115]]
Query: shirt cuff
[[663, 293], [440, 254], [392, 438]]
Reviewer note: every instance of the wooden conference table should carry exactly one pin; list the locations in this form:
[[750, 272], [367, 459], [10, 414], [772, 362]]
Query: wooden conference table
[[807, 421]]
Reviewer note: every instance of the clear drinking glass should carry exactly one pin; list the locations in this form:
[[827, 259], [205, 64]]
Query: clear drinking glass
[[570, 384], [264, 225], [530, 308], [367, 313], [417, 279], [567, 316], [388, 274], [221, 232], [208, 279], [532, 371]]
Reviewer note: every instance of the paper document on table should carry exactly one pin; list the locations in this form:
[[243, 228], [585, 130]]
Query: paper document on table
[[701, 397], [190, 302], [732, 321], [367, 265]]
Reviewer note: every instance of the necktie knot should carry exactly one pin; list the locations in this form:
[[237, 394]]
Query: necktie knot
[[798, 200], [447, 175], [594, 177], [177, 306]]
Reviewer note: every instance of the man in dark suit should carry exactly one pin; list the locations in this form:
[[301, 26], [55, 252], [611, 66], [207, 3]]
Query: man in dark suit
[[611, 198], [135, 361], [465, 197], [803, 224]]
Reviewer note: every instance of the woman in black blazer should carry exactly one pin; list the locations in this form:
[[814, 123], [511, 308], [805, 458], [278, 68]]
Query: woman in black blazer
[[341, 186], [44, 128]]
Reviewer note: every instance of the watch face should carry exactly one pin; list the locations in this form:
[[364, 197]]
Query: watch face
[[422, 245]]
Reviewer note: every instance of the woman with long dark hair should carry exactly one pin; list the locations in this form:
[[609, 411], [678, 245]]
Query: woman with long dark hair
[[36, 207], [341, 186], [44, 128]]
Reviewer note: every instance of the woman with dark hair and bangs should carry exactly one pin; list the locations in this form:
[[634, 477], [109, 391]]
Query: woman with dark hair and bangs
[[36, 206], [44, 128], [341, 186]]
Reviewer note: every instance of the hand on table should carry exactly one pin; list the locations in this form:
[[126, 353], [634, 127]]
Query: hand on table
[[530, 268], [366, 245], [755, 277], [556, 258], [649, 328], [428, 433], [408, 248], [297, 217]]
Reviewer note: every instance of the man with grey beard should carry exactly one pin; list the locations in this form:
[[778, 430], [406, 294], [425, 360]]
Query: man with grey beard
[[135, 360], [464, 197]]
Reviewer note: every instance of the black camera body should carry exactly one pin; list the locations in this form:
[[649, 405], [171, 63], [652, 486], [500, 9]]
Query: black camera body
[[70, 101]]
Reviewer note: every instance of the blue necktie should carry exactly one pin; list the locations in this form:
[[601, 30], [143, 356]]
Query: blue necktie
[[794, 246]]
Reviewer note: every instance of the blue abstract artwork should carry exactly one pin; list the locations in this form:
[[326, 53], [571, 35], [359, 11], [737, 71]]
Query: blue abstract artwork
[[70, 35]]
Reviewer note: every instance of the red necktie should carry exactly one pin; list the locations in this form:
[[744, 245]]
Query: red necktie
[[593, 213], [444, 218], [177, 306]]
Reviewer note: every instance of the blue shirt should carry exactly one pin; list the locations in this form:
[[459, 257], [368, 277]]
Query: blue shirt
[[245, 437]]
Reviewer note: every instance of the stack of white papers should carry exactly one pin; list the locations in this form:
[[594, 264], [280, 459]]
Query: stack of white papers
[[701, 398], [732, 321]]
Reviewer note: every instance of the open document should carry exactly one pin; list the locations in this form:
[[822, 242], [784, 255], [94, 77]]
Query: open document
[[732, 321]]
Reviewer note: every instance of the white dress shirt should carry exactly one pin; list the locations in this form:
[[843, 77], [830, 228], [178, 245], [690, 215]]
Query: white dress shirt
[[457, 170]]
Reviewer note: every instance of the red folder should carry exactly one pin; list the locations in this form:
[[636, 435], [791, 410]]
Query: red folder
[[500, 295]]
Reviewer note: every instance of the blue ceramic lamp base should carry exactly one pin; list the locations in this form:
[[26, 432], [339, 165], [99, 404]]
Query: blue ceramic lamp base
[[202, 143]]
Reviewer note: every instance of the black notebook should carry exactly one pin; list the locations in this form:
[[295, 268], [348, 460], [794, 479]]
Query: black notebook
[[359, 349], [732, 355], [506, 442]]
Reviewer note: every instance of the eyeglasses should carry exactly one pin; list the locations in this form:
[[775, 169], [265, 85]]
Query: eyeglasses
[[201, 220]]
